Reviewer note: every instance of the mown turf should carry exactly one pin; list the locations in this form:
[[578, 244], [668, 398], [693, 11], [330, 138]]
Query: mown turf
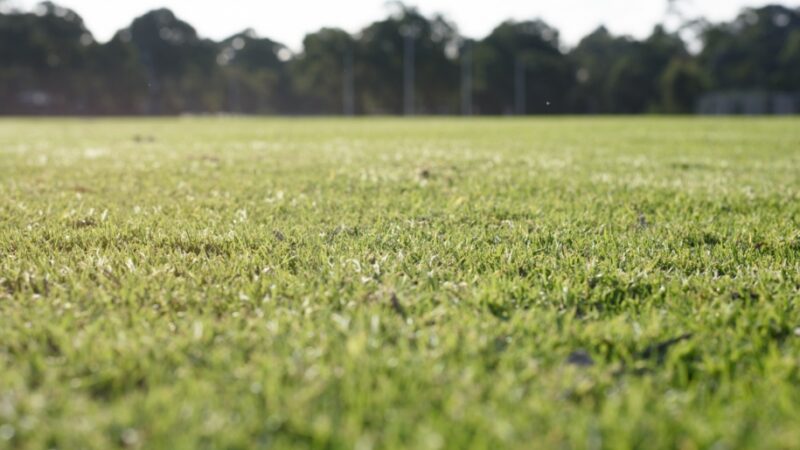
[[380, 284]]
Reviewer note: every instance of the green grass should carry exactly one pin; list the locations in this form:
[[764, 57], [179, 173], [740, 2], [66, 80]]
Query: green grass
[[381, 284]]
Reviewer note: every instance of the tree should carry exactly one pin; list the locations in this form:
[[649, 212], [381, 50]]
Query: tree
[[182, 71], [408, 62], [322, 74], [594, 58], [519, 67], [257, 81], [380, 52], [682, 84], [119, 81], [635, 78], [45, 59], [789, 61], [755, 51]]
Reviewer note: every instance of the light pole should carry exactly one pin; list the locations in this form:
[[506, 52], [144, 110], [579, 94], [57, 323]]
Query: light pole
[[153, 85], [409, 33], [466, 78], [348, 84], [519, 86]]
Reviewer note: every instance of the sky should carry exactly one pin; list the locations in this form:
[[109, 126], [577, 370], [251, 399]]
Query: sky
[[287, 21]]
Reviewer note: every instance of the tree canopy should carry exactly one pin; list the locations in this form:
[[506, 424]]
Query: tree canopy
[[50, 63]]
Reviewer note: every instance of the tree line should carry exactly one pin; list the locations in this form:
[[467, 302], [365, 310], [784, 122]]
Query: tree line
[[50, 63]]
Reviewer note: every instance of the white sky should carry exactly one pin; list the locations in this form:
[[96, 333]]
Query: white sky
[[287, 21]]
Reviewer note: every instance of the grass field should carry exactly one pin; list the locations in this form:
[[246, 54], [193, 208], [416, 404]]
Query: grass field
[[381, 284]]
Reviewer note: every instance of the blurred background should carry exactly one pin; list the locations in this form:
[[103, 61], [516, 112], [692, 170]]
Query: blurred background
[[364, 57]]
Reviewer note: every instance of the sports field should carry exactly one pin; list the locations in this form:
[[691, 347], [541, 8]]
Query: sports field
[[384, 283]]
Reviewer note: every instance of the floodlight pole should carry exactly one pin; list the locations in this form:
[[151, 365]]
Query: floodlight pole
[[409, 31], [466, 79], [153, 86], [408, 74], [348, 84], [519, 86], [235, 104]]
